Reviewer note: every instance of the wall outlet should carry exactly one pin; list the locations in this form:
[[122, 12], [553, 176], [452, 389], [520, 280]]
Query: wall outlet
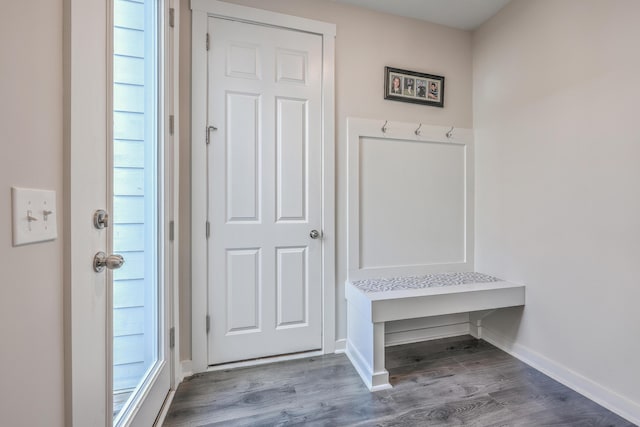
[[34, 215]]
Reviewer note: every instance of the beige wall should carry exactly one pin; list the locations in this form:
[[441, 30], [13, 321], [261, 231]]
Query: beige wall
[[31, 292], [366, 41], [556, 114], [555, 94]]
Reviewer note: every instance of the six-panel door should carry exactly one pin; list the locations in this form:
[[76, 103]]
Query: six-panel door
[[264, 177]]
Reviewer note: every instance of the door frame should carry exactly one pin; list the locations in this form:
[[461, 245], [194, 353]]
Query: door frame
[[86, 297], [201, 11]]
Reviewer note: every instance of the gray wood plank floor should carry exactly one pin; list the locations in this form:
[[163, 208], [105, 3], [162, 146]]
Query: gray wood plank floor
[[447, 382]]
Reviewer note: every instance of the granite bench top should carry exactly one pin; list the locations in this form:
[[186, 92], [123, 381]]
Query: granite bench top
[[421, 282]]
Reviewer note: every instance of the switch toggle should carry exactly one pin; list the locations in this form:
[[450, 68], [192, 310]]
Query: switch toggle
[[34, 215]]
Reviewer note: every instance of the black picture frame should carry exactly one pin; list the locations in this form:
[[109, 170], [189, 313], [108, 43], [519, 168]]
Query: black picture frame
[[414, 87]]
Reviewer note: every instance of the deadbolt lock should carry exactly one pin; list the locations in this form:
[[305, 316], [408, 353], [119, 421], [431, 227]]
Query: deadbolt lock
[[100, 219]]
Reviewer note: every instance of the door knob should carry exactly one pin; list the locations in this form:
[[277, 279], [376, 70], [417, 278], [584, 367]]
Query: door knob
[[315, 234], [102, 261]]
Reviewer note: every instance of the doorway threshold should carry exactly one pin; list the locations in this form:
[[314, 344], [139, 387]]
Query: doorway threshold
[[264, 360]]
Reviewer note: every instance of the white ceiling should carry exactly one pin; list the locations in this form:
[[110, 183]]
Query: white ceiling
[[463, 14]]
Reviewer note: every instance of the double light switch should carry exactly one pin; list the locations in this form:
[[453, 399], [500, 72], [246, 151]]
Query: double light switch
[[34, 215]]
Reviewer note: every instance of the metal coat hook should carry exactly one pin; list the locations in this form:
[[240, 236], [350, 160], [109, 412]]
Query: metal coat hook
[[450, 133], [417, 131], [384, 126]]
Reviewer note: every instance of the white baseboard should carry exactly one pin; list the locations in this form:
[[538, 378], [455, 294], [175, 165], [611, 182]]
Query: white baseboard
[[187, 368], [425, 334], [341, 346], [598, 393], [373, 380], [475, 331]]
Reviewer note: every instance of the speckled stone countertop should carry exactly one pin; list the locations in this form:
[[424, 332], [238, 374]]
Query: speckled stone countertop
[[421, 282]]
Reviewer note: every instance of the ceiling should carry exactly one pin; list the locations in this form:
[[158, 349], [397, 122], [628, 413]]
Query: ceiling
[[462, 14]]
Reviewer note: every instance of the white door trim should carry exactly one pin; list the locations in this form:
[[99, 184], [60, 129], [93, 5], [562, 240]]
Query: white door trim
[[87, 326], [85, 136], [172, 162], [201, 10]]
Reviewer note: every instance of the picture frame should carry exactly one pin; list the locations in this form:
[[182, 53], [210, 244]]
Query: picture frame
[[414, 87]]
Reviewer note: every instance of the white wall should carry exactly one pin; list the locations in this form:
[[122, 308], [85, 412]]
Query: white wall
[[31, 291], [555, 97], [366, 41]]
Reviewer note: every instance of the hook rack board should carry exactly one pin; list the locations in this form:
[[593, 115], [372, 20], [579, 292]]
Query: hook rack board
[[410, 199]]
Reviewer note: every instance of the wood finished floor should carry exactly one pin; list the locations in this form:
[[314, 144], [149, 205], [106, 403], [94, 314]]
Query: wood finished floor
[[448, 382]]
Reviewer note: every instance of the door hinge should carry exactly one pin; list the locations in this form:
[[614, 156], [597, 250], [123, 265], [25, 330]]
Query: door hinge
[[171, 124], [172, 17], [207, 42], [208, 229], [171, 230], [208, 323], [172, 337]]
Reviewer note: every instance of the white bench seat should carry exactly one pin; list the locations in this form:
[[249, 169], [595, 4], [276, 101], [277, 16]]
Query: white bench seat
[[372, 302]]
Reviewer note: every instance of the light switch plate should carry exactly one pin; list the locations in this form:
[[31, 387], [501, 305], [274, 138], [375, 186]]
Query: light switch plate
[[34, 215]]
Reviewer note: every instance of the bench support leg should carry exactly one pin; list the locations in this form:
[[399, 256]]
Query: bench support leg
[[475, 322], [365, 349]]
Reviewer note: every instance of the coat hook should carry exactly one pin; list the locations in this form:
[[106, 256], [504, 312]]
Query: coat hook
[[417, 131], [384, 126], [450, 132]]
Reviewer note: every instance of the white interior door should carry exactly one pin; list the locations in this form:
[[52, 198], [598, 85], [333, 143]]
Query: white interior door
[[119, 356], [265, 191]]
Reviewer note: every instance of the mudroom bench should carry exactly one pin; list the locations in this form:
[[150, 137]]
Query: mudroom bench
[[372, 302]]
